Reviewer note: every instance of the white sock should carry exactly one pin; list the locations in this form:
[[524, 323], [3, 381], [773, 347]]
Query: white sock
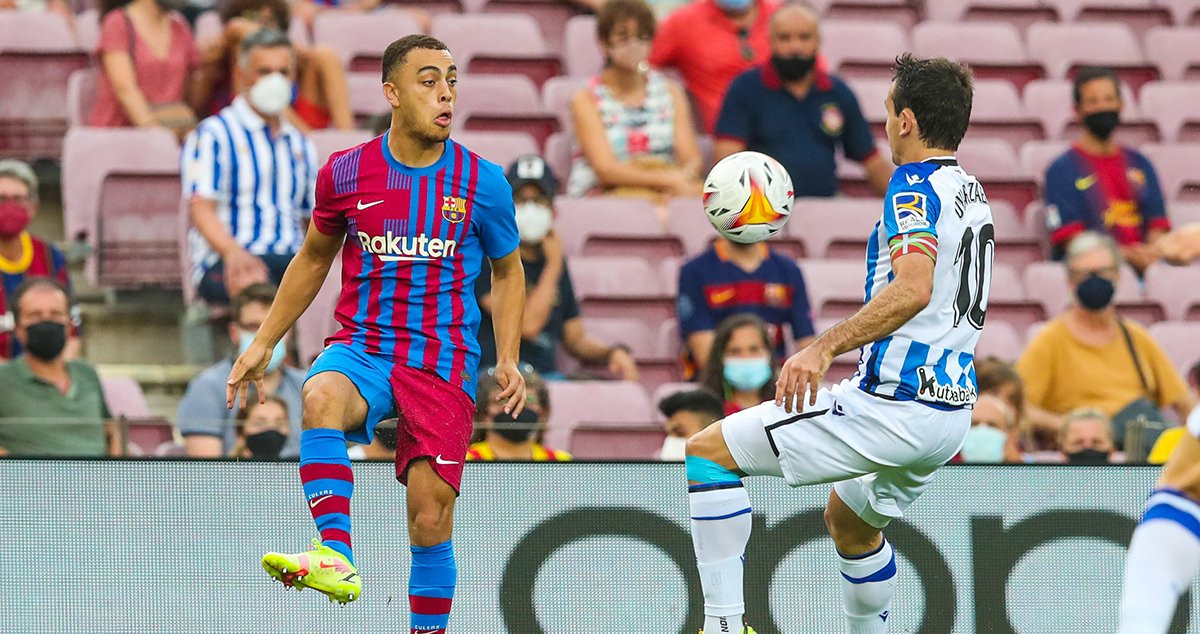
[[1164, 555], [868, 582], [720, 531]]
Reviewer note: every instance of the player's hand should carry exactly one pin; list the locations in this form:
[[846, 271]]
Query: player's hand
[[622, 364], [249, 367], [803, 370], [241, 270], [512, 385]]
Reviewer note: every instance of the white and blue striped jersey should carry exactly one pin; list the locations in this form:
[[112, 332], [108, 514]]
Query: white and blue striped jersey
[[936, 208], [263, 184]]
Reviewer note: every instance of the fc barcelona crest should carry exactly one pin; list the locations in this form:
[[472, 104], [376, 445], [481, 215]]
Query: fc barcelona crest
[[454, 209]]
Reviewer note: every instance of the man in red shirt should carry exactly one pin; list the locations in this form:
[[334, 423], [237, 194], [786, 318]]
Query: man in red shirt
[[710, 42]]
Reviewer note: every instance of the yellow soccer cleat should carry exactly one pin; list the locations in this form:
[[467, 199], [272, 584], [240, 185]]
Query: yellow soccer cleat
[[322, 568]]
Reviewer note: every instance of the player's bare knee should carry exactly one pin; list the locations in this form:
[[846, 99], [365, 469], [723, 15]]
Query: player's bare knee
[[703, 444], [850, 533], [430, 521], [327, 402]]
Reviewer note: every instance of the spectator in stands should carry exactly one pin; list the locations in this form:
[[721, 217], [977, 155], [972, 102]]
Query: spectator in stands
[[509, 438], [991, 438], [731, 278], [22, 254], [152, 74], [262, 429], [687, 414], [1090, 357], [789, 109], [322, 98], [710, 42], [551, 310], [53, 407], [208, 427], [633, 125], [1086, 437], [1098, 185], [999, 378], [741, 368], [247, 197]]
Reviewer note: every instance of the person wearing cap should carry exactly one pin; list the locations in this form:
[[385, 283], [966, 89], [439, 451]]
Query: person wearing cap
[[513, 438], [551, 310]]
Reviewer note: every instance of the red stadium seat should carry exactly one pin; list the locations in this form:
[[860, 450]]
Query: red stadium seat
[[81, 96], [498, 43], [124, 397], [1007, 301], [590, 442], [862, 49], [361, 38], [834, 228], [318, 322], [87, 30], [1165, 284], [901, 12], [332, 140], [613, 286], [666, 389], [1173, 106], [1176, 167], [1175, 50], [1140, 15], [999, 339], [612, 404], [1180, 340], [551, 15], [1016, 244], [1182, 212], [1052, 102], [38, 53], [994, 50], [994, 163], [558, 154], [998, 113], [852, 179], [503, 103], [1036, 157], [556, 97], [366, 97], [152, 436], [1184, 11], [613, 226], [582, 57], [208, 27], [1046, 283], [871, 93], [1063, 47], [686, 219], [1019, 13], [670, 344], [654, 368], [835, 287], [501, 148]]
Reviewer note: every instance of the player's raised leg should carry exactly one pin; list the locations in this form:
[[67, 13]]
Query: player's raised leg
[[868, 566], [1164, 554], [433, 574]]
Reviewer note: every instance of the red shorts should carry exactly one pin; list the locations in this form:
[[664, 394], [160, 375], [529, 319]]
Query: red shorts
[[435, 422]]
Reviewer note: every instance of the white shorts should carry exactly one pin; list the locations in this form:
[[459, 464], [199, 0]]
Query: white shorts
[[881, 453]]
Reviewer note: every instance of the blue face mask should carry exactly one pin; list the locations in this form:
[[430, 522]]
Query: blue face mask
[[745, 375], [734, 6], [277, 355], [984, 444]]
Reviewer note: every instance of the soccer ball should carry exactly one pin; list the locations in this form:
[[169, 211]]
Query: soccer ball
[[748, 197]]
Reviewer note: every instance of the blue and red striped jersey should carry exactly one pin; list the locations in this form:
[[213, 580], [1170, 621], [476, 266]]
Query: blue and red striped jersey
[[415, 242]]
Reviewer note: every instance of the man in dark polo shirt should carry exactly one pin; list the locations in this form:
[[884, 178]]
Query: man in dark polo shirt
[[551, 310], [50, 406], [791, 109]]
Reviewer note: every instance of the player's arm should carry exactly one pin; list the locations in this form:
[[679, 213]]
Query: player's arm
[[301, 281], [508, 306], [900, 301]]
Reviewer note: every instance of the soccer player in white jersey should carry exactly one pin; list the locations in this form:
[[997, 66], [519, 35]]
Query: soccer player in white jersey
[[881, 434], [1164, 553]]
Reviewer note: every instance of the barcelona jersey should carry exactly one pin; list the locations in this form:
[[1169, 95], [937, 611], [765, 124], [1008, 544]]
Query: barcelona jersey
[[415, 243]]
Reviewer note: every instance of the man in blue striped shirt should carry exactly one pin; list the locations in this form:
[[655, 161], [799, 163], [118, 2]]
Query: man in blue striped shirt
[[249, 177]]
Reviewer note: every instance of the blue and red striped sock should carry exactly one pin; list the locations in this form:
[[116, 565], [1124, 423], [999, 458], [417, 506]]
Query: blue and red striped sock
[[431, 587], [328, 485]]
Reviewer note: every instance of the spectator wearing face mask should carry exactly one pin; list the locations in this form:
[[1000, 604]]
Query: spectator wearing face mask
[[710, 42], [22, 254], [1086, 437], [1091, 357], [208, 427], [794, 111], [740, 367], [50, 406], [513, 438], [633, 125], [551, 309], [1099, 185], [687, 414], [991, 438], [263, 429]]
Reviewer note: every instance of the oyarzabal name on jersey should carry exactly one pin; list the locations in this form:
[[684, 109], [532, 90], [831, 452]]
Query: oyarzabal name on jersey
[[391, 247], [929, 389]]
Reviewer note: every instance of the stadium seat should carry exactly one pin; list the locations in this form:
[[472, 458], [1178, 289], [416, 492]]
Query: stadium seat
[[503, 103], [1007, 301], [589, 442], [1183, 212], [871, 93], [208, 27], [613, 404], [81, 96], [1164, 284], [614, 286], [613, 226], [1176, 51], [501, 148], [852, 179], [582, 57], [654, 368], [834, 228], [997, 113], [667, 389], [1036, 157], [900, 12], [670, 344], [994, 50], [1019, 13], [994, 163], [124, 397], [556, 97], [1176, 167], [361, 38], [999, 339], [862, 49], [686, 219], [835, 287], [1052, 102], [497, 43], [87, 30], [1173, 106], [1183, 11], [1016, 244], [150, 436], [558, 153], [1063, 47], [1140, 15], [318, 322], [121, 192], [1180, 340], [551, 15], [38, 53], [332, 140], [366, 98], [1046, 282]]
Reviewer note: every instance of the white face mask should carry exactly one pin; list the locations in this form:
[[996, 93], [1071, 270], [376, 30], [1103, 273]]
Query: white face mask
[[673, 449], [271, 94], [533, 222]]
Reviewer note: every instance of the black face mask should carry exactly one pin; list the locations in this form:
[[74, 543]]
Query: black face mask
[[1095, 292], [46, 339], [1088, 456], [793, 68], [1101, 124], [266, 445], [517, 429]]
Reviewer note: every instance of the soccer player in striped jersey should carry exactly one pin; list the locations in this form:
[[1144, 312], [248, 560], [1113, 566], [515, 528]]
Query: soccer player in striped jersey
[[413, 213], [881, 434]]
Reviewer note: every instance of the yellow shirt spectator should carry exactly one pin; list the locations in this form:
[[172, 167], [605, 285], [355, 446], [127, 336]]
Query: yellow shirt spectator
[[540, 453]]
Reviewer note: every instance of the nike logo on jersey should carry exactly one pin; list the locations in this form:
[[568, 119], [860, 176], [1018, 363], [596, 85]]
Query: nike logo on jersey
[[361, 206], [440, 460], [312, 504], [1085, 182], [913, 179]]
